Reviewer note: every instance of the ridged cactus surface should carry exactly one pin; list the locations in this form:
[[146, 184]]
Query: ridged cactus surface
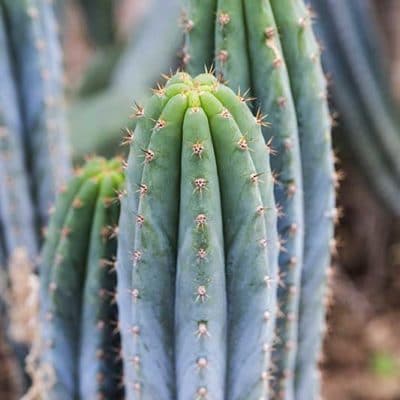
[[266, 51], [17, 221], [79, 322], [302, 55], [32, 36], [197, 252], [361, 93]]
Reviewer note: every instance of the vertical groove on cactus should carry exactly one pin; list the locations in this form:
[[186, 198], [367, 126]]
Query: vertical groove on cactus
[[231, 58], [274, 97], [227, 211], [128, 257], [198, 23], [38, 67], [78, 338], [355, 116], [365, 85], [308, 85], [17, 215], [100, 358], [267, 74], [200, 281]]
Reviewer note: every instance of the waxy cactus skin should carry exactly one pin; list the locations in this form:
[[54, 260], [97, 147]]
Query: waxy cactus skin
[[32, 35], [203, 250], [17, 219], [266, 52], [79, 319]]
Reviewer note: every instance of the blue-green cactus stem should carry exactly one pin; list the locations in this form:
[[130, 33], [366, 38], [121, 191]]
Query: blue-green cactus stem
[[200, 300], [302, 55], [231, 56], [75, 262], [100, 363], [198, 23], [154, 250], [251, 279], [288, 195], [61, 332], [33, 38], [354, 116], [370, 33], [365, 84], [274, 98], [231, 195], [54, 230], [146, 119], [16, 210]]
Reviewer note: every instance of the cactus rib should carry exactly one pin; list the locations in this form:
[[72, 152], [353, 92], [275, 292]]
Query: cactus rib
[[38, 68], [17, 214], [302, 56], [230, 45], [198, 23]]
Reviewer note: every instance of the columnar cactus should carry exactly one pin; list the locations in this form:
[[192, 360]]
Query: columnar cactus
[[197, 252], [302, 55], [17, 221], [32, 36], [266, 48], [34, 156], [79, 326], [361, 93]]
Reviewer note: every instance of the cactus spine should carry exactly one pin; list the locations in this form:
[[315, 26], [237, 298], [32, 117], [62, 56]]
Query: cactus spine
[[203, 258], [79, 331]]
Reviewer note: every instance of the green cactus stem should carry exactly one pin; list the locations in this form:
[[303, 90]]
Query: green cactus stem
[[363, 126], [302, 55], [231, 58], [197, 275], [33, 38], [198, 23], [79, 332], [17, 215]]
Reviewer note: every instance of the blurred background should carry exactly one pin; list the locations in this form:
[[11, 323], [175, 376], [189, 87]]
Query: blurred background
[[115, 50]]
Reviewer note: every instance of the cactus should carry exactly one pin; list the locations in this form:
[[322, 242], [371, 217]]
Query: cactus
[[361, 95], [17, 215], [308, 84], [231, 45], [196, 273], [198, 25], [79, 335], [34, 156], [268, 49], [32, 36]]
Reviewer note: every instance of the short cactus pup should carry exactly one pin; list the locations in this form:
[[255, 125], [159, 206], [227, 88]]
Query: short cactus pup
[[79, 353], [198, 248]]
